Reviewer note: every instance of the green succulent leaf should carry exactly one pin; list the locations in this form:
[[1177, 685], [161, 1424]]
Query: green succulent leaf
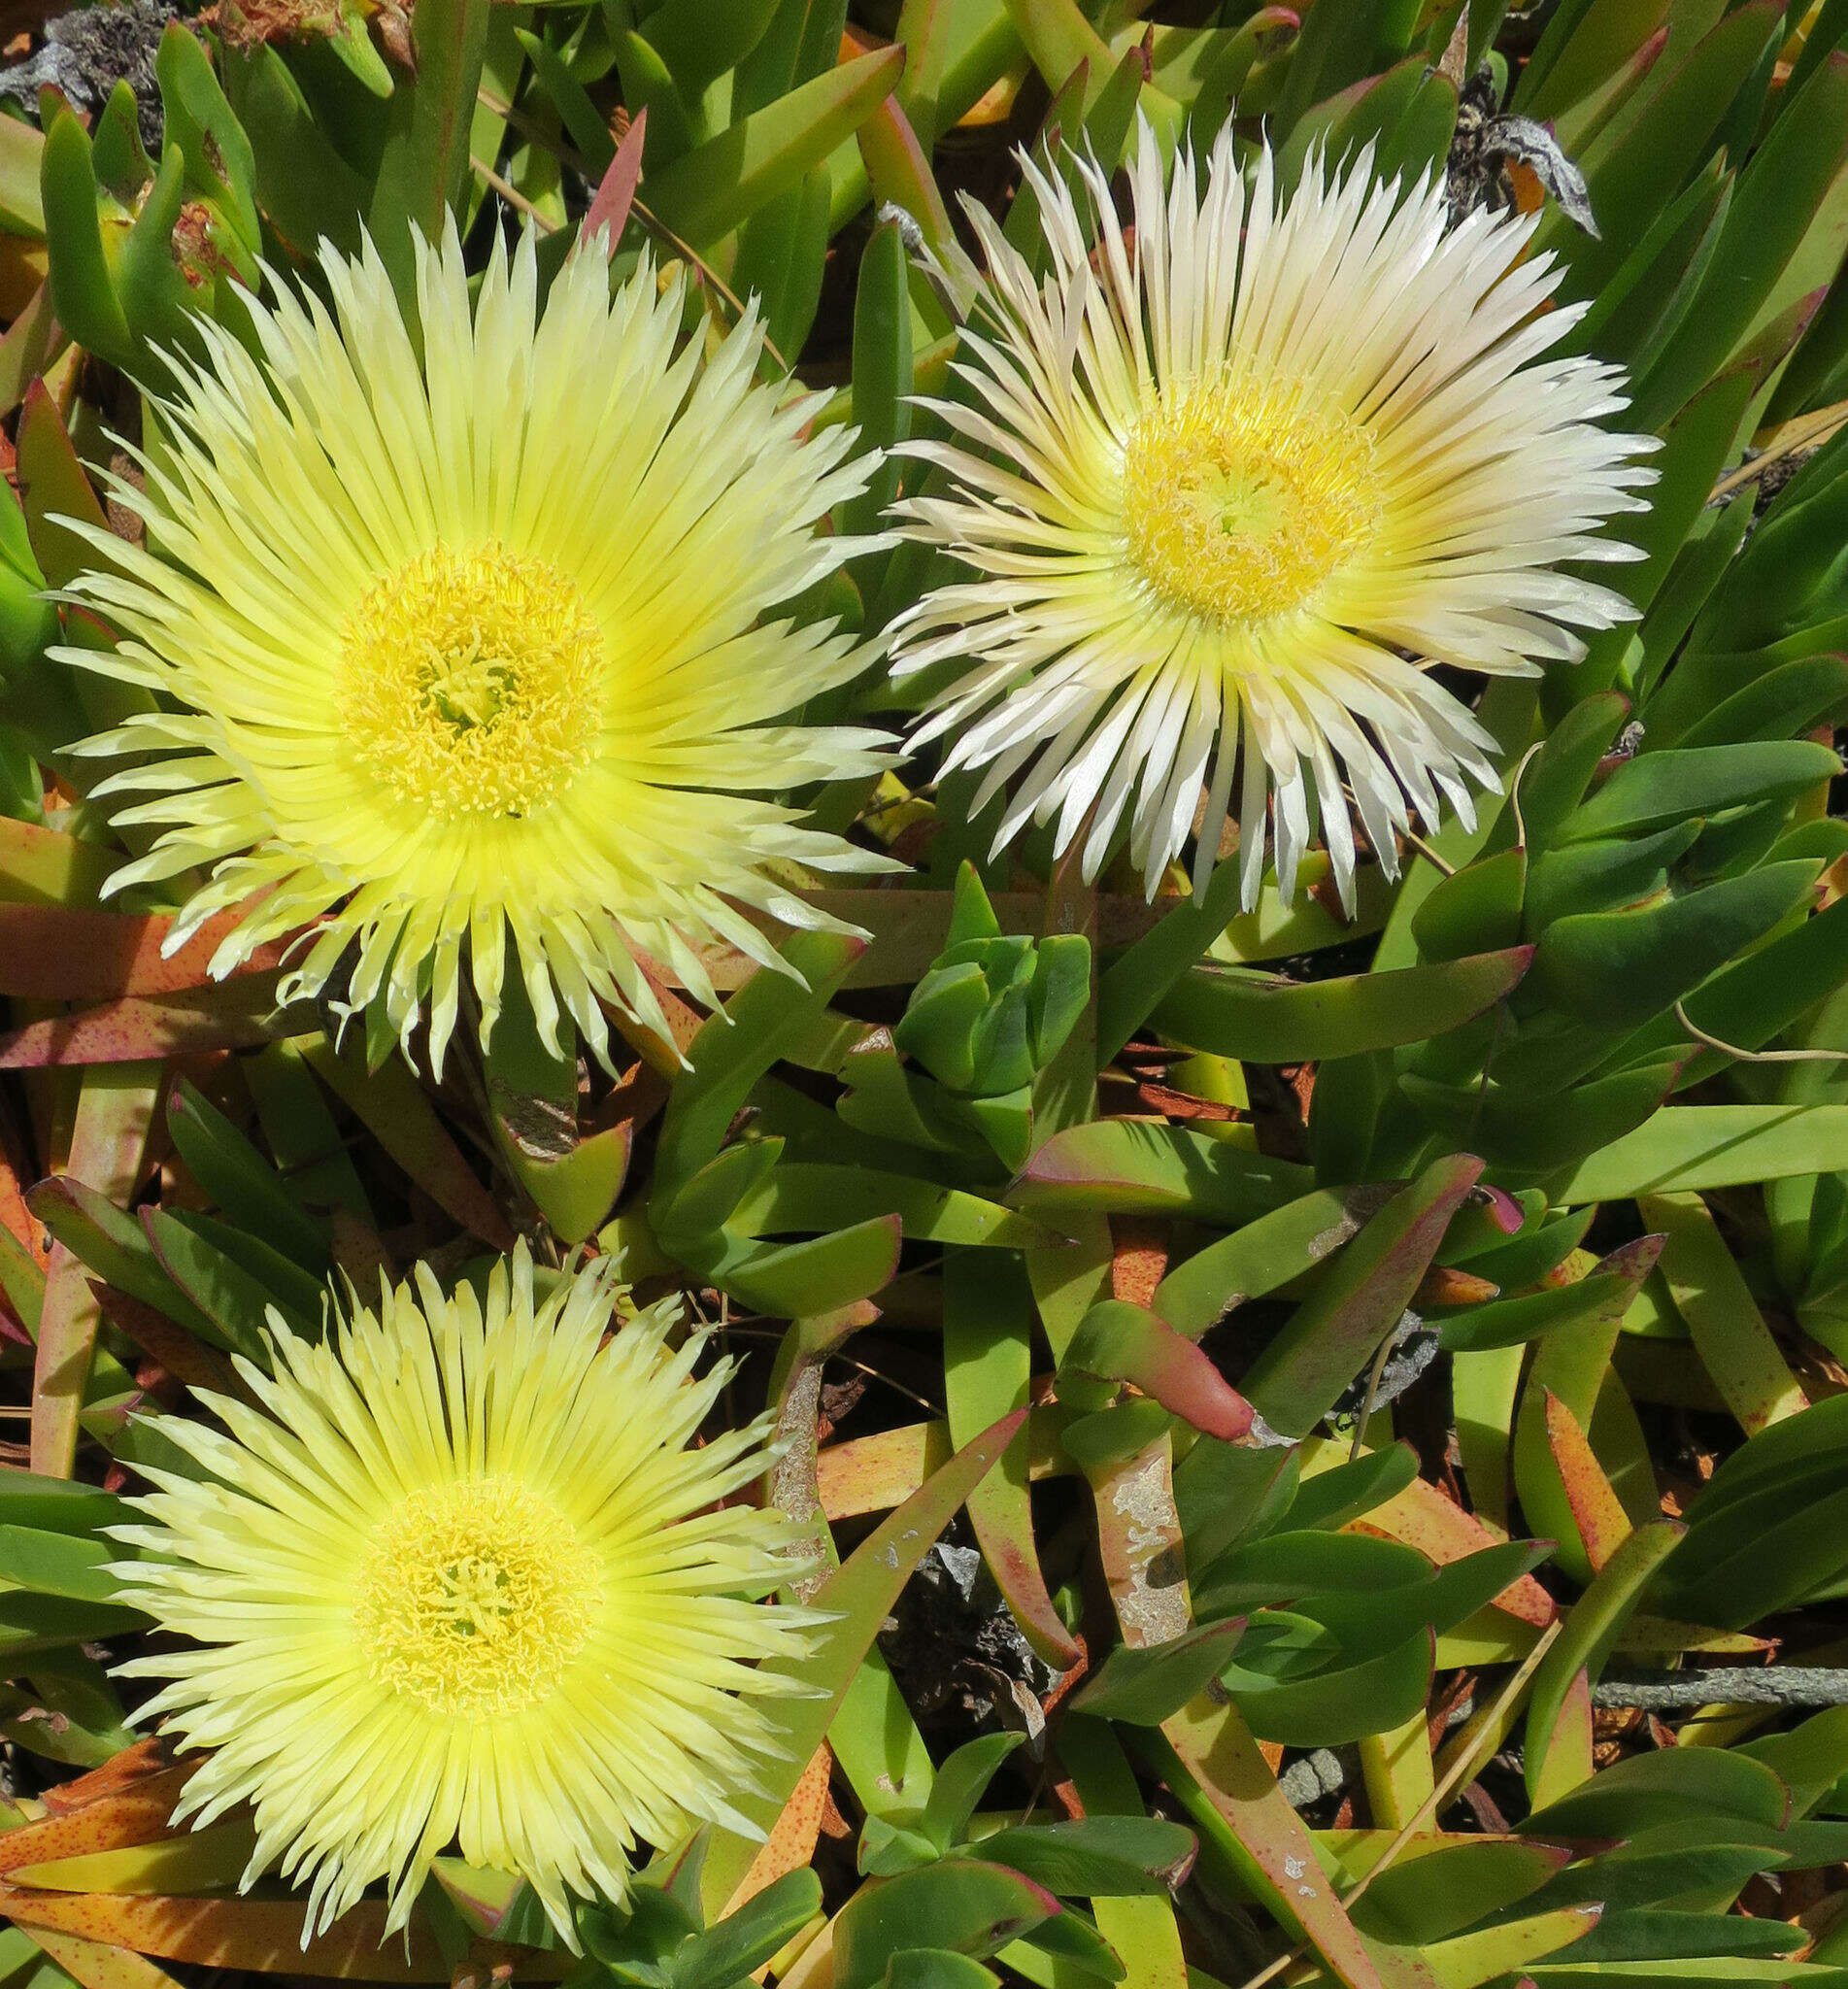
[[969, 1906]]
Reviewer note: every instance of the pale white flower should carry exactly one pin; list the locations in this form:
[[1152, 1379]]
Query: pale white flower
[[1229, 483]]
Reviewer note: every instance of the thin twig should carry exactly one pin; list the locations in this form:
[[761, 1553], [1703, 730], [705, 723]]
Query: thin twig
[[875, 1374], [1463, 1764], [513, 197], [1411, 835], [1514, 794], [1428, 854], [725, 1348], [1478, 1736], [1802, 431], [770, 1332], [1757, 1056], [639, 207], [1483, 1727], [1374, 1374], [530, 131], [1272, 1971]]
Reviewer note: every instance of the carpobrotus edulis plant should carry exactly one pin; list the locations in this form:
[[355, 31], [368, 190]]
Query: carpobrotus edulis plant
[[468, 635], [1230, 483], [458, 1576]]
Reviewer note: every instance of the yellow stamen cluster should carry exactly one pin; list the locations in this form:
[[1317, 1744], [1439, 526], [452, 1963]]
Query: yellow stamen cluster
[[470, 682], [473, 1598], [1241, 498]]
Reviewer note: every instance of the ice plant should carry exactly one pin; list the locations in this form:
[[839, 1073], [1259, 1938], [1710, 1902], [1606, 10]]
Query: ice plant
[[474, 636], [457, 1576], [1230, 483]]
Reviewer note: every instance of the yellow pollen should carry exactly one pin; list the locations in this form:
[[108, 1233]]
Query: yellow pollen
[[473, 1598], [469, 682], [1240, 500]]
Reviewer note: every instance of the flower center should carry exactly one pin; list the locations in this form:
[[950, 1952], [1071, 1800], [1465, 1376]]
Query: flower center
[[469, 682], [474, 1598], [1239, 501]]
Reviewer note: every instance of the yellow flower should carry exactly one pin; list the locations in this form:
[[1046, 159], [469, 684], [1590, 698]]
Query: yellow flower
[[1230, 484], [477, 638], [459, 1578]]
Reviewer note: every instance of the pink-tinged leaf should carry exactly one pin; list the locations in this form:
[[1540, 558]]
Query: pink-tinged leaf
[[609, 210], [1777, 336], [1422, 1517], [53, 484], [135, 1814], [1596, 1511], [1404, 1968], [1631, 1262], [874, 1473], [98, 1965], [859, 1595], [1121, 1341], [1140, 1545], [1575, 1365], [392, 1107], [1502, 1208], [664, 1055], [265, 1935], [109, 1137], [184, 1355], [1730, 1334], [483, 1896], [1339, 1327], [1262, 1257], [1125, 1166], [232, 1015], [1568, 1745], [900, 173], [1216, 1748], [791, 1844], [1006, 1538], [59, 953]]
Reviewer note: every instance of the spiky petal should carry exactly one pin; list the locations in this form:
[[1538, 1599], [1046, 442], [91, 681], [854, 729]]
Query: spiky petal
[[456, 1575], [475, 641], [1229, 483]]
